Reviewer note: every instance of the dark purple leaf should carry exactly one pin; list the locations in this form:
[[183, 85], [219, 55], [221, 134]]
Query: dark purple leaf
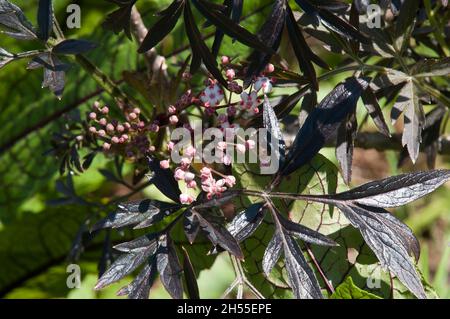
[[396, 190], [246, 222], [149, 241], [275, 137], [199, 47], [45, 19], [169, 267], [124, 265], [139, 288], [225, 197], [301, 277], [163, 26], [272, 253], [270, 33], [219, 235], [191, 225], [234, 9], [189, 277], [333, 22], [74, 47], [120, 20], [142, 213], [164, 180], [322, 123], [344, 146], [406, 17], [389, 241], [15, 22], [229, 27], [374, 109]]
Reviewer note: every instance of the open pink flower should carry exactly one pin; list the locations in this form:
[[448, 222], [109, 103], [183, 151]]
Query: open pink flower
[[212, 95], [263, 83]]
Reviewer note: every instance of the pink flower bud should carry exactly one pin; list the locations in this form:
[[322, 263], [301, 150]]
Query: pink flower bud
[[106, 146], [115, 140], [79, 138], [185, 162], [151, 148], [164, 164], [120, 128], [92, 115], [172, 109], [141, 124], [224, 59], [179, 174], [191, 184], [226, 160], [269, 68], [125, 137], [189, 177], [170, 146], [101, 133], [96, 104], [93, 130], [105, 110], [102, 121], [205, 172], [137, 110], [173, 119], [230, 74], [154, 127], [110, 127], [230, 180], [132, 116], [186, 199]]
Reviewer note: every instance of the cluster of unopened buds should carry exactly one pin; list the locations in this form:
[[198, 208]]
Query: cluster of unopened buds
[[211, 186], [129, 136]]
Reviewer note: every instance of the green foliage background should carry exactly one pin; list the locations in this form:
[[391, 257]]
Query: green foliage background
[[35, 236]]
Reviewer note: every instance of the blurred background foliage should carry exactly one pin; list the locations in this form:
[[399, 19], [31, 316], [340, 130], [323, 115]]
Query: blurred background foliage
[[36, 236]]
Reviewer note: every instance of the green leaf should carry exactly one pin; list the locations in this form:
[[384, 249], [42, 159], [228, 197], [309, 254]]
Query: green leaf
[[348, 290]]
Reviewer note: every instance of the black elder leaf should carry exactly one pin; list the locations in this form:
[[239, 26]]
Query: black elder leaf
[[430, 137], [120, 19], [164, 180], [169, 267], [406, 17], [270, 33], [189, 276], [191, 225], [371, 103], [302, 50], [149, 241], [301, 277], [139, 288], [344, 146], [45, 18], [106, 258], [219, 235], [246, 222], [272, 253], [199, 47], [163, 26], [275, 137], [233, 9], [332, 21], [5, 57], [137, 212], [54, 80], [396, 190], [306, 234], [13, 19], [229, 27], [217, 201], [388, 244], [123, 266], [322, 123], [73, 47]]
